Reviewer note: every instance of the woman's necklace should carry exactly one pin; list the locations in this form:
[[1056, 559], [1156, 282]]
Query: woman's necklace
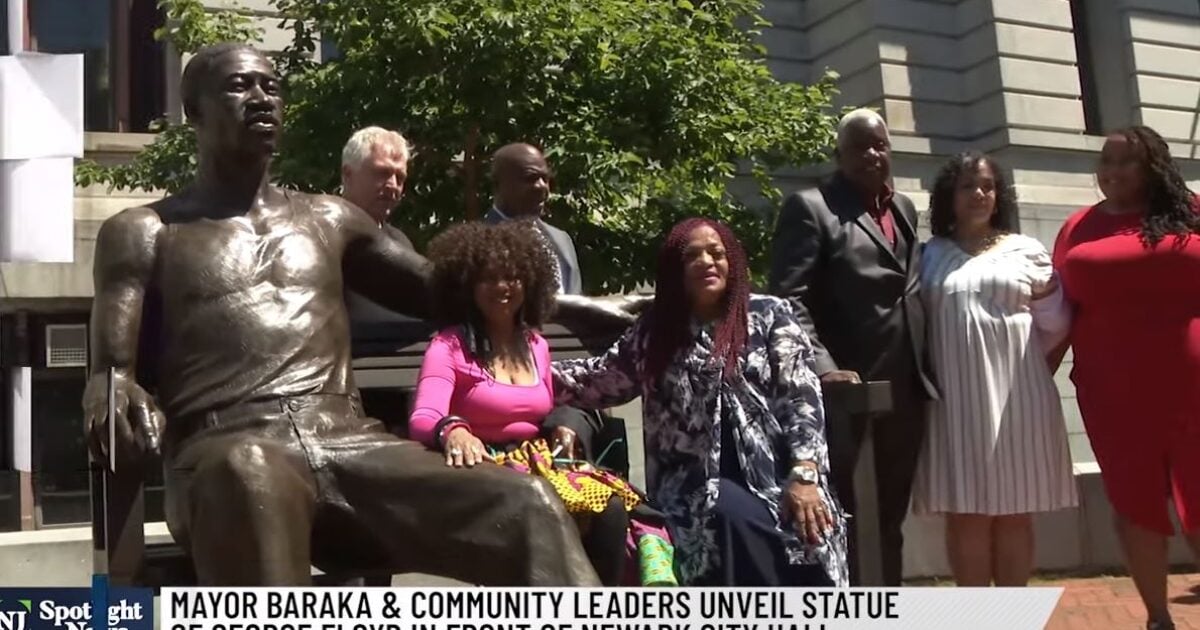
[[977, 246]]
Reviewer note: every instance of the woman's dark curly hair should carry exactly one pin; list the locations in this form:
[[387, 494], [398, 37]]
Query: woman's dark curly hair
[[670, 316], [1171, 205], [465, 254], [941, 202]]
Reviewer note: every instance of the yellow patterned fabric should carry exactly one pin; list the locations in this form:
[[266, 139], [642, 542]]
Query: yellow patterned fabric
[[581, 487], [586, 490]]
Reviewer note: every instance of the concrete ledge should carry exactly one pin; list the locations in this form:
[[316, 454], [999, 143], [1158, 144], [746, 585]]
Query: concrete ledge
[[55, 557], [63, 557], [112, 142], [1076, 540]]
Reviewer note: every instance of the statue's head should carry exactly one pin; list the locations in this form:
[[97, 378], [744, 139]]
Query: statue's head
[[232, 97]]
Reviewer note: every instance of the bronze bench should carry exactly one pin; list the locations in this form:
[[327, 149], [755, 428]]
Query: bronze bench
[[389, 356], [385, 356]]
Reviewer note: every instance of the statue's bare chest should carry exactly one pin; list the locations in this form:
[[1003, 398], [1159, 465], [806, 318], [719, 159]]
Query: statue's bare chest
[[216, 258]]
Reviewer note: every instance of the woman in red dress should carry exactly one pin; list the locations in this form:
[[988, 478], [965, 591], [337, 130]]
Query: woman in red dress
[[1131, 269]]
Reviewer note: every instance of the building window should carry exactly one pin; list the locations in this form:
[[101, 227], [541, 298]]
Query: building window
[[10, 501], [4, 32], [1085, 63], [124, 76], [329, 50], [61, 482], [10, 486], [60, 456]]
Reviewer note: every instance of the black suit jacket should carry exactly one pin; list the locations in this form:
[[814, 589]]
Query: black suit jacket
[[856, 298]]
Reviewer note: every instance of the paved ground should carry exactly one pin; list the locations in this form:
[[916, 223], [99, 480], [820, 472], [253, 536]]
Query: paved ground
[[1111, 603]]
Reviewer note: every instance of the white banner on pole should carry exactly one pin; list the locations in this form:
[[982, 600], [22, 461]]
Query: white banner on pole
[[41, 133], [37, 210], [41, 106], [16, 26], [21, 384], [933, 608]]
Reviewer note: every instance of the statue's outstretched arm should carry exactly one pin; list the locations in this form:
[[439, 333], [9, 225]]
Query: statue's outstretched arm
[[378, 267]]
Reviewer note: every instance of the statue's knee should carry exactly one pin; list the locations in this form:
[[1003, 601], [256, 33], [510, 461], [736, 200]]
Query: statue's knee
[[533, 496], [247, 469]]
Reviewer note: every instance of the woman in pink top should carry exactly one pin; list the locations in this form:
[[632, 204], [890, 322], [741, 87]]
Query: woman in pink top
[[485, 381]]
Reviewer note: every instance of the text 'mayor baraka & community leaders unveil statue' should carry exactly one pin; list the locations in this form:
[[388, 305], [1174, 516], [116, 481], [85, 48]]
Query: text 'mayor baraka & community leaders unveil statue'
[[270, 464]]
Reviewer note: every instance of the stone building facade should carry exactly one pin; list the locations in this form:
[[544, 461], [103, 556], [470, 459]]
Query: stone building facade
[[1034, 82]]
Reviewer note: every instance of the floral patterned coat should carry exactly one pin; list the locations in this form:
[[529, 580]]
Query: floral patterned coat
[[776, 410]]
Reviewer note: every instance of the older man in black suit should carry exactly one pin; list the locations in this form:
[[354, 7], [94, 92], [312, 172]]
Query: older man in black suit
[[848, 257]]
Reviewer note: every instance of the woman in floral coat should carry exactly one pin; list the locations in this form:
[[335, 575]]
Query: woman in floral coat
[[734, 428]]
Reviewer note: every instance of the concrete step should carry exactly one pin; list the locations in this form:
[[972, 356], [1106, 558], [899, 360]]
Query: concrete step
[[1079, 539]]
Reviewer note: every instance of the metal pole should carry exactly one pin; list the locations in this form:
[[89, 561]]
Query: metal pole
[[100, 478], [876, 398], [100, 488], [868, 533], [846, 405], [112, 420]]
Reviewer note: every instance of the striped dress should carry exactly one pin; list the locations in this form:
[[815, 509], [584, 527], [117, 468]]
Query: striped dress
[[997, 441]]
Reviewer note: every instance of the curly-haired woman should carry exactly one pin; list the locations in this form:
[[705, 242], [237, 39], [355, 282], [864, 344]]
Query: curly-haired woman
[[996, 451], [485, 381], [734, 428], [1131, 268]]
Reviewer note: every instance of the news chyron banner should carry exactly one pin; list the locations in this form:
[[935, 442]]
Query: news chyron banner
[[606, 609]]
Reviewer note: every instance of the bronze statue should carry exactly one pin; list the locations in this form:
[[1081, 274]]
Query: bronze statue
[[270, 464]]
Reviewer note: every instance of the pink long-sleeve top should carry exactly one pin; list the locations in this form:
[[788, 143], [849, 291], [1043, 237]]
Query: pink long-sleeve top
[[451, 383]]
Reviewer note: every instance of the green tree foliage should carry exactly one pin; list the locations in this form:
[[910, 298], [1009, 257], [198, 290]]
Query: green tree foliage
[[647, 110]]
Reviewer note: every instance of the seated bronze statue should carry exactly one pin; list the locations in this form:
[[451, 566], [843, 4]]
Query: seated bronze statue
[[271, 466]]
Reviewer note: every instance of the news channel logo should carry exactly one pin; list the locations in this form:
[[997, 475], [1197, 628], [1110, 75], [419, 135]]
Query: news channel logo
[[73, 609]]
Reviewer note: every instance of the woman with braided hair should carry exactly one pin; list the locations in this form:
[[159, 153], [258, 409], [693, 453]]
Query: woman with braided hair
[[1130, 266], [734, 429]]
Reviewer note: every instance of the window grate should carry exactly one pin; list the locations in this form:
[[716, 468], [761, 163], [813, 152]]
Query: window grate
[[66, 345]]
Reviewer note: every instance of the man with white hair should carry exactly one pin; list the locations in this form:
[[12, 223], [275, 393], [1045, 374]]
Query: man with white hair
[[374, 170], [847, 255]]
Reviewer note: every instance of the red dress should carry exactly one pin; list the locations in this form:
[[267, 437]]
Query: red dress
[[1136, 338]]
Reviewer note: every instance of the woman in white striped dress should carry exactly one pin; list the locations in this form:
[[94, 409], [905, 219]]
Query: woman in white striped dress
[[996, 449]]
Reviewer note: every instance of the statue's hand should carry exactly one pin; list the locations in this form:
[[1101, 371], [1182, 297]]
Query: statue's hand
[[593, 315], [139, 423], [636, 304]]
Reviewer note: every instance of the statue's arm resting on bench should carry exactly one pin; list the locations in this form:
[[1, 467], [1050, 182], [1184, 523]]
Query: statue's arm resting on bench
[[123, 268]]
